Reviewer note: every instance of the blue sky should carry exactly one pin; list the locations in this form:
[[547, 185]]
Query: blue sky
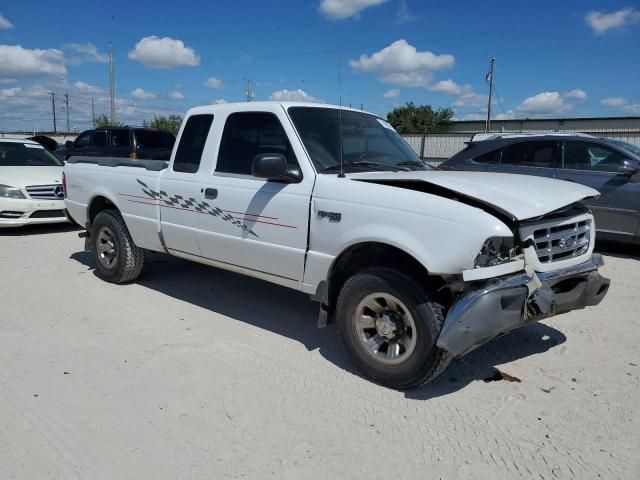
[[571, 58]]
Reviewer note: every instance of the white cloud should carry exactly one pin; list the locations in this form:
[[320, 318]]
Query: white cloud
[[78, 53], [550, 103], [544, 103], [577, 93], [402, 57], [450, 87], [601, 22], [163, 53], [220, 101], [175, 95], [614, 102], [213, 82], [341, 9], [298, 95], [621, 103], [391, 93], [16, 62], [87, 88], [4, 23], [10, 92], [141, 94], [411, 79], [471, 99]]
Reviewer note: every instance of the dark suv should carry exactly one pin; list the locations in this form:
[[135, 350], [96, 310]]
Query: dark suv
[[132, 142], [610, 166]]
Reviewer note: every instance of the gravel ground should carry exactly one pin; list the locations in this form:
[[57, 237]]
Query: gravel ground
[[193, 372]]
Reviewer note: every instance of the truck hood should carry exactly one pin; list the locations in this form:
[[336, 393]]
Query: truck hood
[[20, 177], [520, 197]]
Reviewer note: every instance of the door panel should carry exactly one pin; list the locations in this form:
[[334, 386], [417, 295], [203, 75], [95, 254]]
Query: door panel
[[254, 223], [180, 193], [617, 210]]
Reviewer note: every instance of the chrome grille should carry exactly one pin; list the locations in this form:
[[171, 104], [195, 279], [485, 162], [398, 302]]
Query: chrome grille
[[46, 192], [562, 241]]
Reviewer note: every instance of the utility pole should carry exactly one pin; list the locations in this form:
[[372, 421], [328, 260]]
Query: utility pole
[[111, 87], [53, 106], [249, 93], [66, 100], [489, 78], [93, 112]]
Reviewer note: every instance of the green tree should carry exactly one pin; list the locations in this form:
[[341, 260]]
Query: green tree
[[102, 121], [170, 123], [413, 118]]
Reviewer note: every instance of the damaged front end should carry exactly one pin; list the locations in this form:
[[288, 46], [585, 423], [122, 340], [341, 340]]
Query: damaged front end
[[493, 307]]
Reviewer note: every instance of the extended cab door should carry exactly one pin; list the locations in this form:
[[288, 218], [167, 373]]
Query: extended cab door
[[617, 210], [254, 223], [179, 195]]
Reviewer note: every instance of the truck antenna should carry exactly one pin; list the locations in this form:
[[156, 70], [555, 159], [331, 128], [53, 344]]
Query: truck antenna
[[341, 174]]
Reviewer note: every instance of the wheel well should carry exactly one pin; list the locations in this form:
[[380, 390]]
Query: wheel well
[[371, 254], [99, 204]]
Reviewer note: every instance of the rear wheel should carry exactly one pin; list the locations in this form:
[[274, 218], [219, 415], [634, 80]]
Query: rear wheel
[[117, 258], [390, 325]]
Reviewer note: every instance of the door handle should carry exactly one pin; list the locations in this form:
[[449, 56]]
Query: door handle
[[211, 193]]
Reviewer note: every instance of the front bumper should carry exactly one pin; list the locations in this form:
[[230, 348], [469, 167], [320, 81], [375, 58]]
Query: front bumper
[[504, 304], [20, 212]]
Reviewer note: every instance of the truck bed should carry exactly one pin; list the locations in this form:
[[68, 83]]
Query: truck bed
[[152, 165]]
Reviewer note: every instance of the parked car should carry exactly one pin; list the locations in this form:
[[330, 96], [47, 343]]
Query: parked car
[[132, 142], [415, 265], [47, 142], [610, 166], [31, 188]]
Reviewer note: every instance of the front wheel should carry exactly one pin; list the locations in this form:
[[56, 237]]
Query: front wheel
[[390, 326], [117, 258]]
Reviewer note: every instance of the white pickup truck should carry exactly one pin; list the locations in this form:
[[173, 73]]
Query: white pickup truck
[[416, 266]]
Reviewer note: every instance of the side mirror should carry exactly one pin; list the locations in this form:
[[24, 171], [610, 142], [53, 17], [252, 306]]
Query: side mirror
[[272, 166], [68, 144], [626, 166]]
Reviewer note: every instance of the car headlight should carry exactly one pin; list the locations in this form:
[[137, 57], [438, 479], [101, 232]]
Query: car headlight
[[496, 250], [10, 192]]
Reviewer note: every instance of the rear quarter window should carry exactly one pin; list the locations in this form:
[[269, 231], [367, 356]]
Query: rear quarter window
[[148, 139]]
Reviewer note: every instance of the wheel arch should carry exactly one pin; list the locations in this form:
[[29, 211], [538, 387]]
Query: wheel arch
[[98, 204], [369, 254]]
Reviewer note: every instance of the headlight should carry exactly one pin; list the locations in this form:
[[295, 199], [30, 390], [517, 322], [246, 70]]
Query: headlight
[[10, 192], [494, 251]]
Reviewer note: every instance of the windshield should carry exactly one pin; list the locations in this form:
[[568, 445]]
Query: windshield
[[368, 142], [26, 154], [630, 147]]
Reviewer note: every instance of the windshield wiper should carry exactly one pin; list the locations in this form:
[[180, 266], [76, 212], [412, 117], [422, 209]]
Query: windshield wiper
[[415, 163]]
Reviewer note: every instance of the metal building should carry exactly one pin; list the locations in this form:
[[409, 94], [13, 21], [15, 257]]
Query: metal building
[[436, 148]]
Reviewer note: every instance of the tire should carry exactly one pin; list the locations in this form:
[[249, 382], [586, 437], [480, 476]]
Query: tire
[[409, 327], [116, 257]]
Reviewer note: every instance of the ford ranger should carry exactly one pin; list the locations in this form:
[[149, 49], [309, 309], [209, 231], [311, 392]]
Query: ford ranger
[[415, 266]]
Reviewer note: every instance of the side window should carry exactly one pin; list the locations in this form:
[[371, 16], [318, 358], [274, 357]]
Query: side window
[[531, 154], [192, 141], [492, 157], [99, 138], [591, 156], [83, 140], [249, 134], [120, 138]]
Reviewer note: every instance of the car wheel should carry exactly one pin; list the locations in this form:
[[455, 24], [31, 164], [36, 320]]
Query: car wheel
[[390, 325], [117, 258]]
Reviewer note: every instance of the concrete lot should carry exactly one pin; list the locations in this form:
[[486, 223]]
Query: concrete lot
[[192, 372]]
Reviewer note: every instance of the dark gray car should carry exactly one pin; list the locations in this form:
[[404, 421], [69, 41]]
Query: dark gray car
[[610, 166]]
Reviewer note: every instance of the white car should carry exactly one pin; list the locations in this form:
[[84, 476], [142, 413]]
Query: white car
[[31, 188], [416, 266]]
